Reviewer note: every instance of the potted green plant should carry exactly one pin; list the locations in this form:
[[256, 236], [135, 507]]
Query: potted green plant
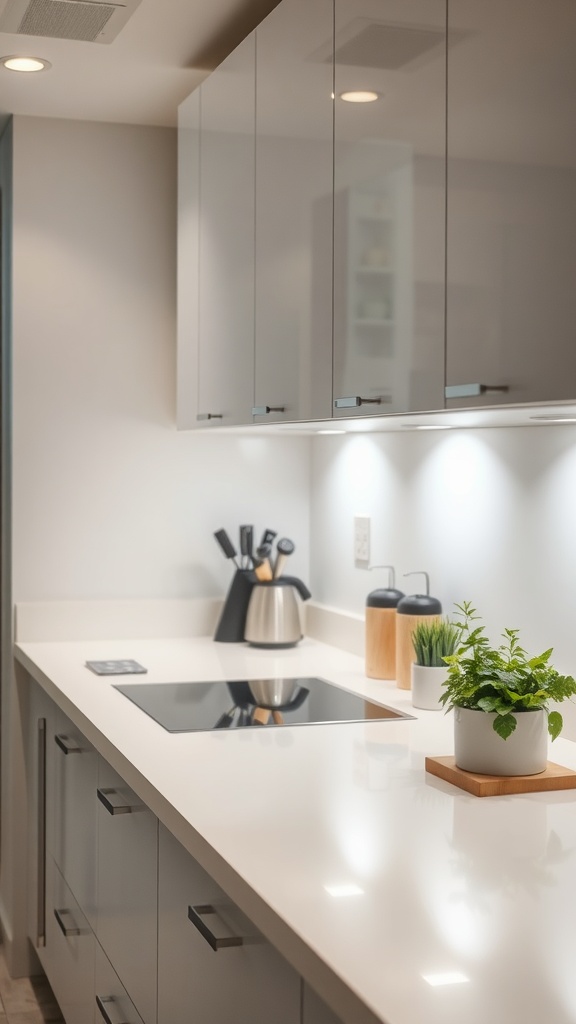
[[501, 699], [433, 641]]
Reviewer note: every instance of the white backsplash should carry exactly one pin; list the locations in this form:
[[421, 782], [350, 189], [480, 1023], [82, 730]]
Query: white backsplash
[[488, 513]]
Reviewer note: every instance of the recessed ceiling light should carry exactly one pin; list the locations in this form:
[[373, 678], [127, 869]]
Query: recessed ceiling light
[[554, 419], [14, 63], [359, 96], [448, 978], [330, 431], [344, 890]]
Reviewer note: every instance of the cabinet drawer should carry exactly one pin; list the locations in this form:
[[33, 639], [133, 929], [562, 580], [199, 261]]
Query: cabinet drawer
[[68, 957], [234, 984], [127, 887], [72, 835], [113, 1004]]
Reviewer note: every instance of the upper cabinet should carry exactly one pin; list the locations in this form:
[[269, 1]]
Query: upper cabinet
[[294, 170], [216, 246], [411, 253], [389, 206], [511, 299]]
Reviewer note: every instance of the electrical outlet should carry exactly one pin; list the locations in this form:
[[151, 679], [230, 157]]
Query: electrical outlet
[[362, 541]]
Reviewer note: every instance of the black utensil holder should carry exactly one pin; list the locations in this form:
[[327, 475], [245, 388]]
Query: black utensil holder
[[232, 621]]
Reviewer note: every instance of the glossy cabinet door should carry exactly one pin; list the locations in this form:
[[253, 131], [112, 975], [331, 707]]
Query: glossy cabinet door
[[74, 841], [226, 242], [314, 1009], [294, 169], [389, 207], [188, 260], [511, 300], [70, 943], [113, 1004], [127, 888], [198, 981]]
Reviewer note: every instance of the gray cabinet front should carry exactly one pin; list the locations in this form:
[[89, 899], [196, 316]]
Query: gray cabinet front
[[389, 206], [294, 169], [225, 327], [511, 216]]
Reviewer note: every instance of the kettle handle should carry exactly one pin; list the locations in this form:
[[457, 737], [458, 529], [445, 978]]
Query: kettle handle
[[301, 587]]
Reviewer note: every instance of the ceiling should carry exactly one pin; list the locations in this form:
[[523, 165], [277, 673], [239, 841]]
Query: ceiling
[[163, 52]]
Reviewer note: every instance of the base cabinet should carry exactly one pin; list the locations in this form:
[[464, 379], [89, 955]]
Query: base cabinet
[[314, 1010], [213, 967], [112, 1002], [127, 879], [68, 956]]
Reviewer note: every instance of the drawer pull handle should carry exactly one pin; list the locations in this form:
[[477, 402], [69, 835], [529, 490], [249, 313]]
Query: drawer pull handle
[[209, 416], [472, 390], [111, 807], [355, 401], [195, 914], [103, 1002], [264, 410], [66, 929], [67, 746]]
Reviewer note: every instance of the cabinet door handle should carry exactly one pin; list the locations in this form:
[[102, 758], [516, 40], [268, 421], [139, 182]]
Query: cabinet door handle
[[41, 837], [67, 746], [66, 929], [263, 410], [110, 806], [104, 1003], [354, 401], [209, 416], [195, 914], [472, 390]]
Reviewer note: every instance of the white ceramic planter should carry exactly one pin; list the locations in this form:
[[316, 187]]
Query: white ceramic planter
[[478, 748], [427, 686]]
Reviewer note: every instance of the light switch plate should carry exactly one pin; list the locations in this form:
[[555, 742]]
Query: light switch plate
[[362, 541]]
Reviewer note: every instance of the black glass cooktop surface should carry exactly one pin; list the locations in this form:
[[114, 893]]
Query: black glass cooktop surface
[[244, 703]]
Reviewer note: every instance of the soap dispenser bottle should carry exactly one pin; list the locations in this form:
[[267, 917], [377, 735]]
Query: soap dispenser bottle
[[380, 628], [411, 610]]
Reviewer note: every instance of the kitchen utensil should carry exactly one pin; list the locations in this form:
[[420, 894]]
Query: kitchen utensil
[[230, 628], [225, 720], [410, 610], [246, 534], [226, 545], [284, 548], [380, 628], [263, 568], [267, 537], [273, 617]]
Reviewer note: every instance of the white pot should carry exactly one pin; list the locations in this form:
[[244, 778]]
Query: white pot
[[427, 686], [479, 749]]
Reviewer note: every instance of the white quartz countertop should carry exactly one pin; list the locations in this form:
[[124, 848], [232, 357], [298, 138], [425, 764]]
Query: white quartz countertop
[[447, 884]]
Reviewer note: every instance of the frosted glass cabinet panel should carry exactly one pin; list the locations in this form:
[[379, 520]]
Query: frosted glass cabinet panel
[[226, 242], [389, 207], [511, 256], [294, 212]]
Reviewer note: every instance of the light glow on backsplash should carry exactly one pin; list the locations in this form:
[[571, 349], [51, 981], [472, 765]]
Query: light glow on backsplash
[[488, 513]]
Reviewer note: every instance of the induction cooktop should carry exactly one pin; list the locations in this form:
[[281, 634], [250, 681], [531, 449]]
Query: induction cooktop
[[245, 703]]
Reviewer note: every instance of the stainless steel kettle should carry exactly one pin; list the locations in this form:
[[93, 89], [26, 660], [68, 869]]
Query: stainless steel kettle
[[273, 617]]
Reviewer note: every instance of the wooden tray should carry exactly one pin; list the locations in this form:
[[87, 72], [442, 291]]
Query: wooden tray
[[554, 777]]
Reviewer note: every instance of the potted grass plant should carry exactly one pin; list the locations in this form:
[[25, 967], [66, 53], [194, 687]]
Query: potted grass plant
[[501, 699], [433, 641]]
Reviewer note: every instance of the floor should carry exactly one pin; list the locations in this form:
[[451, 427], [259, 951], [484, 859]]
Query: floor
[[26, 1000]]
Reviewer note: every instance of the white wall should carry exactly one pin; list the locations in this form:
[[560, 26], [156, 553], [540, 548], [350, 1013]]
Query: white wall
[[488, 513], [109, 499]]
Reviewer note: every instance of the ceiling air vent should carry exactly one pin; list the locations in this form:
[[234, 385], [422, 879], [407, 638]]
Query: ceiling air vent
[[365, 43], [88, 21]]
